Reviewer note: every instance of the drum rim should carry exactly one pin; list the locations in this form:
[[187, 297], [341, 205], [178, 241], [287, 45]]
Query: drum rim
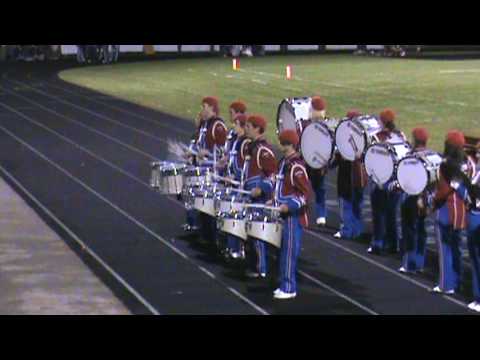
[[422, 160], [334, 145], [364, 133], [395, 166]]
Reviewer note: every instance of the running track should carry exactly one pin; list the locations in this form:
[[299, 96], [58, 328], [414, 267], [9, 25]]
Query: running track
[[81, 159]]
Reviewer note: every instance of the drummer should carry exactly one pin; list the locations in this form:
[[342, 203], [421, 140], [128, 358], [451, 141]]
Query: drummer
[[414, 233], [237, 170], [452, 214], [293, 191], [236, 108], [469, 190], [259, 179], [351, 182], [317, 177], [214, 137], [385, 199]]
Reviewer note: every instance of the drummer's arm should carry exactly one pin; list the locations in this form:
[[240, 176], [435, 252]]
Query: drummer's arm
[[268, 164], [302, 184]]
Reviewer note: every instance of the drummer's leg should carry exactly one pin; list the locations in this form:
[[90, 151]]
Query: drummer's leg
[[348, 219], [392, 200], [421, 243], [261, 257], [378, 215], [289, 253], [320, 198], [358, 194]]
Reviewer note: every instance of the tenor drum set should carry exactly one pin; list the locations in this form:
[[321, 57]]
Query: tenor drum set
[[219, 198], [357, 139]]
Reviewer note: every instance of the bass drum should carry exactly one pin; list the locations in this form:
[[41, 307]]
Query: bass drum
[[418, 171], [353, 137], [318, 143], [381, 160], [292, 112]]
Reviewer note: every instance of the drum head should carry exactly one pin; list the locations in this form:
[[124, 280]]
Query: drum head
[[291, 111], [379, 164], [317, 145], [412, 175], [350, 140]]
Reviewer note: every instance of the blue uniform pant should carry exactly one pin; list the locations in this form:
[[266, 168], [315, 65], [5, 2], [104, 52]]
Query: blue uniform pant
[[352, 215], [320, 198], [258, 256], [384, 211], [415, 240], [234, 243], [414, 235], [450, 260], [192, 217], [289, 253], [208, 228], [474, 251]]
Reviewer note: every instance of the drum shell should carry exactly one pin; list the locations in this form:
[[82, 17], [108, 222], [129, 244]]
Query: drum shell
[[233, 225], [394, 152], [431, 171], [269, 232], [291, 112], [316, 151], [205, 205], [354, 136]]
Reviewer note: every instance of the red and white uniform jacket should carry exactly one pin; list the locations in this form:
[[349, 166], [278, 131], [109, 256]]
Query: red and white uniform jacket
[[210, 133], [294, 187], [261, 167], [452, 209]]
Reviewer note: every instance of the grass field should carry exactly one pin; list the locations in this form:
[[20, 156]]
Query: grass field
[[440, 95]]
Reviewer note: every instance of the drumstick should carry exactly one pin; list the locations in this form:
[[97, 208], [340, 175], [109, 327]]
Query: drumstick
[[262, 206], [241, 191], [227, 180]]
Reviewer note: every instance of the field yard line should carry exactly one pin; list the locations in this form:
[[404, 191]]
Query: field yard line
[[367, 90], [459, 71], [128, 216]]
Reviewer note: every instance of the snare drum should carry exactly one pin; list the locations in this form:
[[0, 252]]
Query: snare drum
[[382, 159], [353, 137], [318, 143], [227, 202], [265, 225], [196, 176], [167, 178], [204, 201], [234, 224], [418, 171], [292, 112]]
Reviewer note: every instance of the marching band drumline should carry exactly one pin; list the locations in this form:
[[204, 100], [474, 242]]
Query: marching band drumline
[[231, 182]]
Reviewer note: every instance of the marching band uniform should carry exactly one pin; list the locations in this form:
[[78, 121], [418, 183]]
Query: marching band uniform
[[215, 136], [317, 176], [261, 169], [293, 191], [385, 199], [451, 220], [236, 109], [351, 182], [237, 157], [414, 232], [469, 191]]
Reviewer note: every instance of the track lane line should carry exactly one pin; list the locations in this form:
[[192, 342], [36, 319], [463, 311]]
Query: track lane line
[[85, 248], [124, 213], [384, 267]]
